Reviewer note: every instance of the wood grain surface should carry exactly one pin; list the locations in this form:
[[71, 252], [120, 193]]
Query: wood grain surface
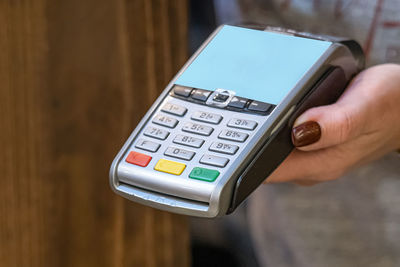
[[75, 79]]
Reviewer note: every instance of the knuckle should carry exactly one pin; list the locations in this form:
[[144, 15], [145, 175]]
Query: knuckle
[[345, 126]]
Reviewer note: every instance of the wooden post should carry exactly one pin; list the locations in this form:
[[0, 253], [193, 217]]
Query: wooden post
[[75, 78]]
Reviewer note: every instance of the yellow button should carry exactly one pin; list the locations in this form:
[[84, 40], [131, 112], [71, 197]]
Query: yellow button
[[169, 166]]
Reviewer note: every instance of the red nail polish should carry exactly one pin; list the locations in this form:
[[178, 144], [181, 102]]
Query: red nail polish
[[306, 133]]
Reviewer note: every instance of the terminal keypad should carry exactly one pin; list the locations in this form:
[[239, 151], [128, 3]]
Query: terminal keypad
[[206, 140]]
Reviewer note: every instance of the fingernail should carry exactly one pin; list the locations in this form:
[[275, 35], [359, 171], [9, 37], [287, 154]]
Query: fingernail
[[306, 133]]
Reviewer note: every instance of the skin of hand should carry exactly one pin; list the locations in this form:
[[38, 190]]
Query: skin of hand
[[363, 125]]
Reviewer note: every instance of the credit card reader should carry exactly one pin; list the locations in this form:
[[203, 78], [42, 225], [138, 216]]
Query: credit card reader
[[223, 123]]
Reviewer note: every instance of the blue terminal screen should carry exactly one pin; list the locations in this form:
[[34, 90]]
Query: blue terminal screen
[[258, 65]]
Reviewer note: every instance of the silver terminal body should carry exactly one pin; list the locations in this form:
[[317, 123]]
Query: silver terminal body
[[174, 129]]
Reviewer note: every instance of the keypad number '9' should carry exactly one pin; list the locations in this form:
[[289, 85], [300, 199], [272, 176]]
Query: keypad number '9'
[[223, 148]]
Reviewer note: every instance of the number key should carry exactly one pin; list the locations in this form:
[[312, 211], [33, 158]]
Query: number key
[[223, 148], [242, 124], [233, 136], [174, 109], [197, 128], [165, 121], [207, 117], [156, 133], [179, 153], [188, 140]]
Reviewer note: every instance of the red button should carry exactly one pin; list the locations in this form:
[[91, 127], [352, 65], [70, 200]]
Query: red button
[[138, 159]]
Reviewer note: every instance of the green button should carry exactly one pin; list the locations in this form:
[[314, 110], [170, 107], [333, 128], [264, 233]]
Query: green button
[[204, 174]]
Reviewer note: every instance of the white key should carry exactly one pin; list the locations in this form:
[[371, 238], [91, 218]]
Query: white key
[[197, 128], [223, 148], [207, 117], [233, 135], [179, 153], [156, 133], [214, 160], [165, 121], [174, 109], [147, 145], [242, 124], [188, 140]]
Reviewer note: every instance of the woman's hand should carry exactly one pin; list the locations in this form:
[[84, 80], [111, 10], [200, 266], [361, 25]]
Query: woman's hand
[[363, 125]]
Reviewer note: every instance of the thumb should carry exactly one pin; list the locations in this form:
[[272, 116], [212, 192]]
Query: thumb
[[330, 125]]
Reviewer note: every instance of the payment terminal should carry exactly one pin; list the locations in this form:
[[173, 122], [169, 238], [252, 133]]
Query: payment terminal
[[223, 123]]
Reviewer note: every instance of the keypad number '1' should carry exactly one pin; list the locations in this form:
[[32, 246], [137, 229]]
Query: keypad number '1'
[[174, 109]]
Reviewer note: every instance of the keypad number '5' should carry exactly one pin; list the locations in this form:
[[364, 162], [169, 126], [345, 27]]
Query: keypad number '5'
[[197, 129]]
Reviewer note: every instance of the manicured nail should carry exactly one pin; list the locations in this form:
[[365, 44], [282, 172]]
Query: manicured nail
[[306, 133]]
